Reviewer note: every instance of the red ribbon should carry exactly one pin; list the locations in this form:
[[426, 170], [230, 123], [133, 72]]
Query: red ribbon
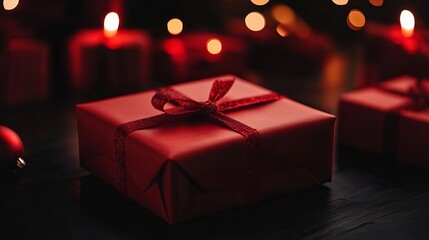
[[186, 107], [418, 93], [420, 101]]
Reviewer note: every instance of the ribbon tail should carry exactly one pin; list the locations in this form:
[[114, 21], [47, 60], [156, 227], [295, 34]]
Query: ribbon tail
[[253, 143], [250, 101]]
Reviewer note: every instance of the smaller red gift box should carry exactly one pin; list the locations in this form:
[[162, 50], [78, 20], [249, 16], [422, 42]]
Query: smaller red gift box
[[218, 158], [24, 72], [382, 121]]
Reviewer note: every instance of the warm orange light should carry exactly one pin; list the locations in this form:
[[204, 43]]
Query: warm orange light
[[283, 14], [282, 31], [10, 4], [175, 26], [214, 46], [111, 24], [260, 2], [356, 19], [407, 23], [340, 2], [255, 21], [377, 3]]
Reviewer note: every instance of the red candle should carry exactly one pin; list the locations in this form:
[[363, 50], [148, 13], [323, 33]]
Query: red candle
[[110, 60], [395, 50], [24, 72], [198, 55], [24, 63]]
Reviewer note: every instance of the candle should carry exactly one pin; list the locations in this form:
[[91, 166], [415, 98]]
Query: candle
[[109, 60], [394, 50], [201, 54], [24, 63], [24, 72]]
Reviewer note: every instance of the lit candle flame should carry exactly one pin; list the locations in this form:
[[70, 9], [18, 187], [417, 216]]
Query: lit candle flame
[[214, 46], [111, 24], [10, 4], [407, 23]]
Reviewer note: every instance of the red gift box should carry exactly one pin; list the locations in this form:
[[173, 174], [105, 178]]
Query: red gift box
[[381, 120], [196, 165], [24, 72]]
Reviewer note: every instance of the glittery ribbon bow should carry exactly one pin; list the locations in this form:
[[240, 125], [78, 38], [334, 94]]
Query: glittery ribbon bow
[[186, 107], [420, 95]]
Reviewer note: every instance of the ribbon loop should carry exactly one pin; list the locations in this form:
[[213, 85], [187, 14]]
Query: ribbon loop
[[220, 88], [167, 95]]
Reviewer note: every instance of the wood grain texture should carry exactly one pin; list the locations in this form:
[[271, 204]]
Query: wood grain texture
[[369, 198]]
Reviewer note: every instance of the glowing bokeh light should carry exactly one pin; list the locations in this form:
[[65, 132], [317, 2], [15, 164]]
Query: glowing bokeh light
[[255, 21], [214, 46], [356, 19], [175, 26], [377, 3], [407, 23], [111, 24], [282, 31], [260, 2], [340, 2], [10, 4], [283, 14]]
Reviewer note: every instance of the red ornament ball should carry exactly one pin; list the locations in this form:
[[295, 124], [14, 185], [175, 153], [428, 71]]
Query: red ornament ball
[[11, 150]]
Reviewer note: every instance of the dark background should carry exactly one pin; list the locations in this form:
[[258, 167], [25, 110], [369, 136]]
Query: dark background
[[369, 197]]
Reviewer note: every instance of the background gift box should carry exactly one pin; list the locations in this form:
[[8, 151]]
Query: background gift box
[[385, 121]]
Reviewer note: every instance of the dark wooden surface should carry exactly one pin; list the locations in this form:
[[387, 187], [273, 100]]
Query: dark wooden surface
[[56, 199]]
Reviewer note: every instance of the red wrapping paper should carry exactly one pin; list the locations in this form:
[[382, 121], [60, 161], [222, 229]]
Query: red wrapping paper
[[24, 72], [195, 167], [378, 120]]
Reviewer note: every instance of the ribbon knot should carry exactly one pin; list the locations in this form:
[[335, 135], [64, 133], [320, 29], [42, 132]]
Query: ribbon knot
[[420, 95], [185, 105], [210, 107]]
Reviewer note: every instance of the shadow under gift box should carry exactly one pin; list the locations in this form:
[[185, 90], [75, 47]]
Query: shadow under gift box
[[100, 64], [24, 72], [195, 167], [376, 120]]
